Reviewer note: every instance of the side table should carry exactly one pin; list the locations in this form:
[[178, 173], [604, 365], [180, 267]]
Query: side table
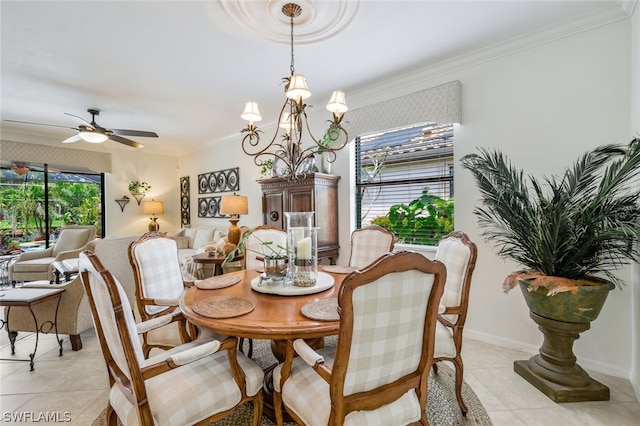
[[5, 261], [216, 261], [27, 297]]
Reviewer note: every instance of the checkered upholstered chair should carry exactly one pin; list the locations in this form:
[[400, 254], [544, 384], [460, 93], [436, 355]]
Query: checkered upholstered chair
[[159, 283], [378, 371], [193, 383], [254, 244], [368, 244], [459, 254]]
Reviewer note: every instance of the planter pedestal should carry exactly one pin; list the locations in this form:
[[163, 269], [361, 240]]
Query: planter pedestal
[[554, 370]]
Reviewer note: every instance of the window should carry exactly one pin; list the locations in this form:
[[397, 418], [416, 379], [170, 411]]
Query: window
[[404, 182], [35, 201]]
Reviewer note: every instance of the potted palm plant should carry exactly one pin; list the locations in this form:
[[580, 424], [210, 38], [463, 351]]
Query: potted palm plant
[[570, 233]]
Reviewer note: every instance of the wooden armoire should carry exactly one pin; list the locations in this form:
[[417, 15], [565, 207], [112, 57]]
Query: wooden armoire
[[316, 192]]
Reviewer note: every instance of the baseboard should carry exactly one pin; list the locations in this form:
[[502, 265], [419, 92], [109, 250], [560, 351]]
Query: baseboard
[[586, 363]]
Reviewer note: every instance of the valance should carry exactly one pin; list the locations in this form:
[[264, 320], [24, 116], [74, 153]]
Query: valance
[[54, 155]]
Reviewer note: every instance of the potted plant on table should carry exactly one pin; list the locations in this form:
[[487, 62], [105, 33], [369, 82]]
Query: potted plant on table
[[570, 233], [274, 256]]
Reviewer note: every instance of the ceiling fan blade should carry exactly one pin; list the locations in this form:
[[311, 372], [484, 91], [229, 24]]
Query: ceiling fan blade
[[72, 139], [41, 124], [82, 120], [125, 141], [142, 133]]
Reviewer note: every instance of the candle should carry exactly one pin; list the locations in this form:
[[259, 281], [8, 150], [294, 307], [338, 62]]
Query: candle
[[304, 248]]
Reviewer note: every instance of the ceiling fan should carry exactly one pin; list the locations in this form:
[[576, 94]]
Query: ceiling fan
[[94, 133]]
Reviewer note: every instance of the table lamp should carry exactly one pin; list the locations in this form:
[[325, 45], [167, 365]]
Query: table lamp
[[153, 208], [234, 205]]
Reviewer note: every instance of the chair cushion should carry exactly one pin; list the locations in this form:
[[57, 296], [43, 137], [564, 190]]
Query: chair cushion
[[42, 264], [71, 239], [444, 347], [178, 396], [455, 255], [307, 395]]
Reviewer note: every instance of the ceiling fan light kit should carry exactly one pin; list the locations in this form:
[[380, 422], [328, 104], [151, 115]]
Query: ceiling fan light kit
[[94, 133]]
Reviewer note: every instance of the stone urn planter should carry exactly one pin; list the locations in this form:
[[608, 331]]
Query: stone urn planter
[[561, 318]]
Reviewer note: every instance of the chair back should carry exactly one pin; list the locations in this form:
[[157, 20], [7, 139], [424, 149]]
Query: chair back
[[368, 244], [157, 272], [114, 324], [387, 330], [459, 254], [73, 237], [255, 247]]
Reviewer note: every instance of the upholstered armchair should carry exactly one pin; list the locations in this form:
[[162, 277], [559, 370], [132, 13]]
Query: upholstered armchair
[[368, 244], [38, 265], [194, 383], [459, 254], [378, 372]]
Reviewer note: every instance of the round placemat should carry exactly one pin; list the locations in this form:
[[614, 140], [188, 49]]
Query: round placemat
[[322, 309], [339, 269], [221, 281], [222, 307]]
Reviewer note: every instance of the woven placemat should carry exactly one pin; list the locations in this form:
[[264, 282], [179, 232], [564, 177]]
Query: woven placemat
[[221, 281], [322, 309], [222, 307], [339, 269]]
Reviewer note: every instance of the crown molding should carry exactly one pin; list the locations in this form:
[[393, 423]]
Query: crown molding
[[398, 85]]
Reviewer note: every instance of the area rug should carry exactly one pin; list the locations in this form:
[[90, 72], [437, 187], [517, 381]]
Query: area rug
[[442, 407]]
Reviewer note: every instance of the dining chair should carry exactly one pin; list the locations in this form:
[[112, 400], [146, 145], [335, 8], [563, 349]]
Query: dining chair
[[378, 371], [159, 284], [368, 244], [459, 254], [193, 383], [255, 248]]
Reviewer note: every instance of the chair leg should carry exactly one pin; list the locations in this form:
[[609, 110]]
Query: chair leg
[[457, 361], [277, 408], [257, 409], [112, 417], [12, 340], [76, 342]]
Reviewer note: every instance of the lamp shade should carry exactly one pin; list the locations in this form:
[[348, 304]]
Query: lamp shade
[[234, 205], [298, 88], [338, 102], [152, 207], [251, 112]]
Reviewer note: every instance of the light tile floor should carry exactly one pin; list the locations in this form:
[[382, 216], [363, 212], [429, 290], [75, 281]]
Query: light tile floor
[[74, 387]]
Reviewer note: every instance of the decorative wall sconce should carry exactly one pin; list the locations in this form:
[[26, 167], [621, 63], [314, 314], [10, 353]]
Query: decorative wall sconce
[[139, 189], [123, 202]]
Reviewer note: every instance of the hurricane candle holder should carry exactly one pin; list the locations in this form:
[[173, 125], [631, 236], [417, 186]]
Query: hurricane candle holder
[[302, 246]]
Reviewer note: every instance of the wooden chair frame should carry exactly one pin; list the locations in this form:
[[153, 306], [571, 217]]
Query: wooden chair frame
[[134, 388], [460, 311], [342, 405], [372, 228], [186, 330]]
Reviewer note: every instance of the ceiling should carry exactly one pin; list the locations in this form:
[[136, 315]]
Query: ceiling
[[184, 69]]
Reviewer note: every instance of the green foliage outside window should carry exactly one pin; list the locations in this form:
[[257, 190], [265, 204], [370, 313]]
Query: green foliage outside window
[[423, 221]]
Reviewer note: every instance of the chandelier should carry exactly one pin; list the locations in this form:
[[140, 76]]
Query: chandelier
[[286, 152]]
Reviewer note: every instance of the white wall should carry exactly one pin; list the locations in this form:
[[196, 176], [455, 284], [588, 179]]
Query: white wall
[[161, 172], [635, 131], [543, 107]]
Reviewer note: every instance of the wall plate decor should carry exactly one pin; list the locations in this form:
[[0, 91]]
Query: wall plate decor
[[185, 201], [209, 207], [219, 181]]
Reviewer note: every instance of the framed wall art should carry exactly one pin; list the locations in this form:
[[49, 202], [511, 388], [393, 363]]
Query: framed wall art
[[220, 181], [209, 207], [185, 202]]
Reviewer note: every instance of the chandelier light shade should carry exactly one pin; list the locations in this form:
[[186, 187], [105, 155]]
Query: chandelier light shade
[[293, 122], [153, 208], [234, 205]]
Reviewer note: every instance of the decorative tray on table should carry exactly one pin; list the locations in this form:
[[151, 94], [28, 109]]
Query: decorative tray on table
[[261, 285]]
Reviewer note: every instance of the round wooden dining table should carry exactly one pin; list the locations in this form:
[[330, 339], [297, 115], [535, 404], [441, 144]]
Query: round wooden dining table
[[274, 317]]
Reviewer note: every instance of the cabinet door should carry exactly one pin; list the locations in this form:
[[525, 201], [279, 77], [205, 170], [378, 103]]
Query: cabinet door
[[300, 199], [273, 208]]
